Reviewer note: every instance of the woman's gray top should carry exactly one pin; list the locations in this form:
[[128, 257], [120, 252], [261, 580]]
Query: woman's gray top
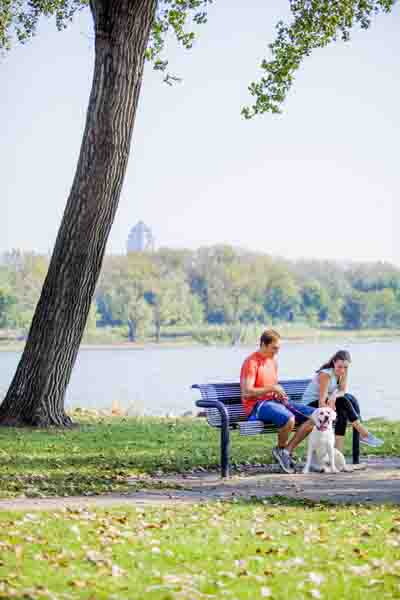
[[311, 393]]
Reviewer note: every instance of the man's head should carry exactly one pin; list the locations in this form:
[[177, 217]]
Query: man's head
[[270, 343]]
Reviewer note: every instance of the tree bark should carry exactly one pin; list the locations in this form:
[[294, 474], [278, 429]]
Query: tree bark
[[37, 392]]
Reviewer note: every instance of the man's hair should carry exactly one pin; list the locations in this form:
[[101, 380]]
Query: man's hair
[[268, 336]]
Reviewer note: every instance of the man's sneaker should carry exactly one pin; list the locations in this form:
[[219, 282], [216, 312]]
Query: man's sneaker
[[371, 440], [282, 456]]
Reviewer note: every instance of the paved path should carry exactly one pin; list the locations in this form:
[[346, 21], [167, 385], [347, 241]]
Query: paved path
[[376, 481]]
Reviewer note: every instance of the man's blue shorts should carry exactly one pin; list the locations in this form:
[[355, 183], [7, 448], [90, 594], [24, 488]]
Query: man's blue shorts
[[279, 414]]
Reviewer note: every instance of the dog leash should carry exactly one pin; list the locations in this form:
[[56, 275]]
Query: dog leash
[[289, 407]]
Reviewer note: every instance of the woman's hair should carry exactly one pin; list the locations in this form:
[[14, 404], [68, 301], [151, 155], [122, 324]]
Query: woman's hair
[[339, 355], [268, 336]]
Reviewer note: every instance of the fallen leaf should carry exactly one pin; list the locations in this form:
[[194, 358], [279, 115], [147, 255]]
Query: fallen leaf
[[360, 570], [316, 578], [116, 571]]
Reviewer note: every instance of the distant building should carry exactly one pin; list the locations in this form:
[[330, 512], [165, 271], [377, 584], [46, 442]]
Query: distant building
[[140, 239]]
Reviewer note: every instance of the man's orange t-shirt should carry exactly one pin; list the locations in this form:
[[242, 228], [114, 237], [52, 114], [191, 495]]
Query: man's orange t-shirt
[[261, 371]]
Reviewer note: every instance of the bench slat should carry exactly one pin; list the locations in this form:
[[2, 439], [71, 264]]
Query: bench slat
[[255, 427]]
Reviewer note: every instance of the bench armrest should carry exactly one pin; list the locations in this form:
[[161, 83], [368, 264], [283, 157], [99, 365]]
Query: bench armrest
[[219, 406], [224, 431]]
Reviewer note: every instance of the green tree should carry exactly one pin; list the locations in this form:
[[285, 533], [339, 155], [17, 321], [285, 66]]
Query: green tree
[[384, 308], [122, 289], [194, 310], [7, 309], [26, 272], [91, 323], [127, 304], [139, 317], [315, 24], [206, 279], [315, 302], [125, 31], [282, 298], [173, 304], [374, 277], [356, 310]]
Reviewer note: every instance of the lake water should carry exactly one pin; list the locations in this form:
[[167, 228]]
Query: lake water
[[156, 381]]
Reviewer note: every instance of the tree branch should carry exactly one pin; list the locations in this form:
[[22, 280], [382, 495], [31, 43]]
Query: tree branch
[[316, 23]]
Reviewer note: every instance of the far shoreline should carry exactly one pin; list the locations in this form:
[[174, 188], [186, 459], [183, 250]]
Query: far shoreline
[[289, 335]]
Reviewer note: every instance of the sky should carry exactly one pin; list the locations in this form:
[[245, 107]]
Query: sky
[[319, 181]]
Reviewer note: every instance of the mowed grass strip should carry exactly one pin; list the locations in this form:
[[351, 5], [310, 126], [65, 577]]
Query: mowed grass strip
[[236, 551], [99, 455]]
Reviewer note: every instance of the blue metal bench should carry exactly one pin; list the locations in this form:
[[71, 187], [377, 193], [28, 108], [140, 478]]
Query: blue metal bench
[[224, 410]]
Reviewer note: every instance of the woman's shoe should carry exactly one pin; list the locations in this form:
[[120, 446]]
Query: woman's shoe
[[371, 440]]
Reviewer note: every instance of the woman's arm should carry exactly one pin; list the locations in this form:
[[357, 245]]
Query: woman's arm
[[323, 389]]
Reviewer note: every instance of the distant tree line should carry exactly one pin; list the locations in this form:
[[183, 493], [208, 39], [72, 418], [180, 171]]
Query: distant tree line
[[220, 285]]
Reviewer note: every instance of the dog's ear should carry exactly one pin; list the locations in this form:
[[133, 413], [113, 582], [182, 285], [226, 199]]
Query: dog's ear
[[314, 416], [332, 415]]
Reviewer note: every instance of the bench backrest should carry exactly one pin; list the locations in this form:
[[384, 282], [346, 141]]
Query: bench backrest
[[229, 395]]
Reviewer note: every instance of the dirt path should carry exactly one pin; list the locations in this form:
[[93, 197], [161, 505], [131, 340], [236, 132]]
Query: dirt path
[[376, 481]]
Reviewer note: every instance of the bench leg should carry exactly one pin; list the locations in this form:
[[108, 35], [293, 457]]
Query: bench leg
[[356, 447], [224, 450], [211, 403]]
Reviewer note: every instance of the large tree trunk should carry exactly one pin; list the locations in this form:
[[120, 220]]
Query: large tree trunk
[[36, 395]]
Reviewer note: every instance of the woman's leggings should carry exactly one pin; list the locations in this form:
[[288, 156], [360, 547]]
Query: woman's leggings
[[347, 409]]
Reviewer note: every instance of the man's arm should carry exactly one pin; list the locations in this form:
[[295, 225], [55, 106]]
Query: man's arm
[[247, 388], [248, 383]]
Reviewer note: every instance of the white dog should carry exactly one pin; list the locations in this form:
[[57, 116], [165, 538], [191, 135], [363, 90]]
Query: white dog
[[322, 456]]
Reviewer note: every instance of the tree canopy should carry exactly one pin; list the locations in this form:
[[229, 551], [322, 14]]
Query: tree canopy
[[314, 24]]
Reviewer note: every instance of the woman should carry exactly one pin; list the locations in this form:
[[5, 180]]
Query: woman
[[329, 387]]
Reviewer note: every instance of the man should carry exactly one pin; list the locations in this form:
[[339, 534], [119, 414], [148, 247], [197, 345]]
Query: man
[[265, 400]]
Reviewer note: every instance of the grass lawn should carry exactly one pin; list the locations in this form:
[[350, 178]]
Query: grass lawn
[[235, 551], [98, 456]]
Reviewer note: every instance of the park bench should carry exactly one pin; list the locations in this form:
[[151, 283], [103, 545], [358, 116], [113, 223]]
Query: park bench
[[224, 410]]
